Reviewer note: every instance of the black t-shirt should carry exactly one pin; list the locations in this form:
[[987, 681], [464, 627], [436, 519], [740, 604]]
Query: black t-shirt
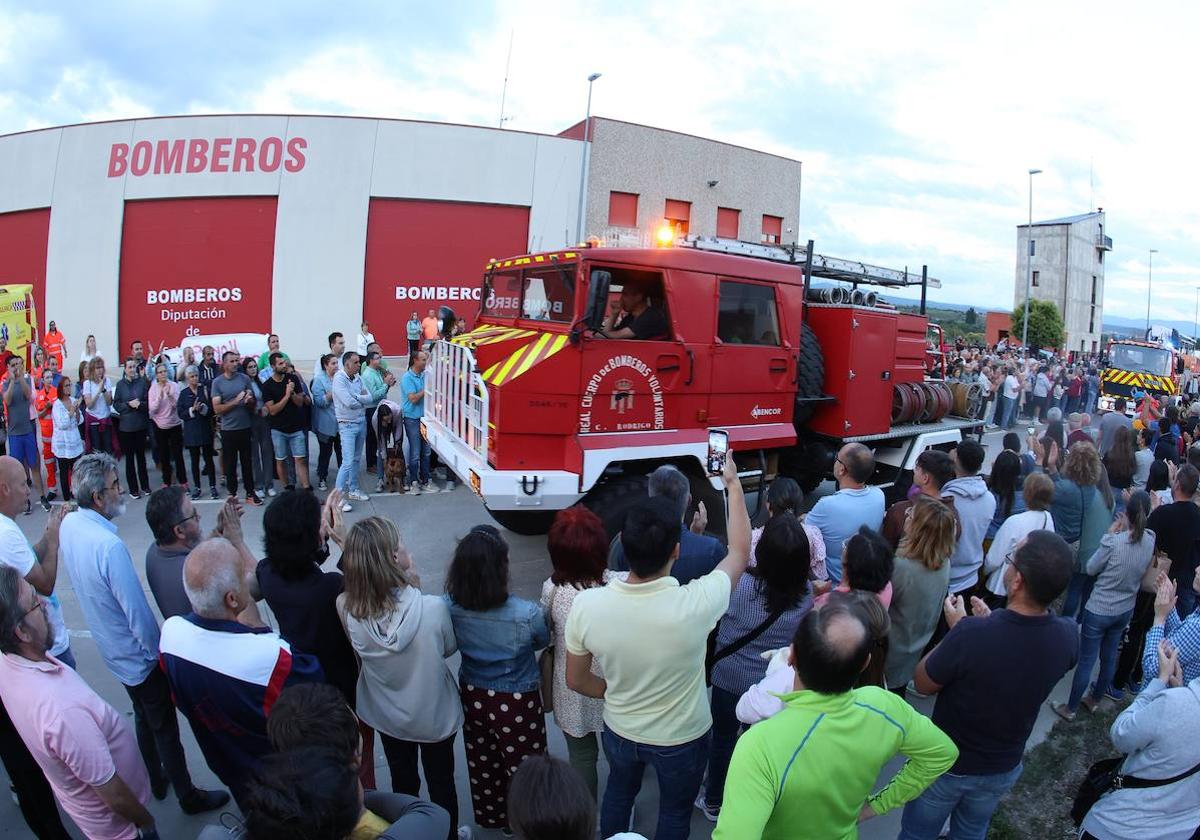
[[995, 673], [1176, 528], [290, 418], [652, 323]]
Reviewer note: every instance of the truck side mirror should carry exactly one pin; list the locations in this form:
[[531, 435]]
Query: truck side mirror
[[597, 299]]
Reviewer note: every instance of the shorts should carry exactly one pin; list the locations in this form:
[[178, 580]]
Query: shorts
[[289, 443], [24, 448]]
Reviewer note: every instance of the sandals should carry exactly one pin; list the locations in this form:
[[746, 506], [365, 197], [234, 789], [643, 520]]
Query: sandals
[[1063, 711]]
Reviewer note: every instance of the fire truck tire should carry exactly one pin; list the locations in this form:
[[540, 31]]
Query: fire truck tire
[[529, 523], [613, 498], [810, 374]]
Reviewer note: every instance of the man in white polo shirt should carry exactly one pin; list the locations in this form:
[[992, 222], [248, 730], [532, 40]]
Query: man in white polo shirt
[[649, 635]]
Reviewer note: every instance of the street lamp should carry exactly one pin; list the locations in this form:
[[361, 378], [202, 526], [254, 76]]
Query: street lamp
[[1029, 265], [583, 164], [1149, 286]]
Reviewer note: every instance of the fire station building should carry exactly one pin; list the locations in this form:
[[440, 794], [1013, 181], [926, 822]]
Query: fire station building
[[162, 228]]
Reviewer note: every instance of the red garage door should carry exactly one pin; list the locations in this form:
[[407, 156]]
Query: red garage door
[[195, 266], [23, 239], [425, 254]]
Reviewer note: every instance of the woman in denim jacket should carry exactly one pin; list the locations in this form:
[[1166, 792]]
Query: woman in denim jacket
[[497, 634], [324, 422]]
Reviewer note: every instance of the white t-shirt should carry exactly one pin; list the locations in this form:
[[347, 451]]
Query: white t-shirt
[[650, 640], [101, 407], [1012, 387], [1012, 531], [365, 340], [16, 551]]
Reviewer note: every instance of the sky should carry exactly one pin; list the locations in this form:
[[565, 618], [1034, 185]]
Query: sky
[[916, 122]]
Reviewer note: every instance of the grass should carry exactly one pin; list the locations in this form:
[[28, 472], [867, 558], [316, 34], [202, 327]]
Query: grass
[[1039, 805]]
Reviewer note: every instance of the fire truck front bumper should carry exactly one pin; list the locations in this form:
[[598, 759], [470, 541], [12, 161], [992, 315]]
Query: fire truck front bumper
[[501, 489]]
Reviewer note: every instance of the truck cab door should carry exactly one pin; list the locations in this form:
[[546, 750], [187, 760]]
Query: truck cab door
[[753, 368]]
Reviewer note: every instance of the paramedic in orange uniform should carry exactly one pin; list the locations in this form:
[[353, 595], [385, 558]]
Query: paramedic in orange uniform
[[55, 344], [44, 397]]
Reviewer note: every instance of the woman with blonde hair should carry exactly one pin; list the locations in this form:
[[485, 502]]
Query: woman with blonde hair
[[920, 581], [97, 394], [406, 691]]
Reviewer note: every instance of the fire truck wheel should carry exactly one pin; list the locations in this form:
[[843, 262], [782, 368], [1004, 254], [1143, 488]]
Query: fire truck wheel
[[613, 498], [810, 377], [529, 523]]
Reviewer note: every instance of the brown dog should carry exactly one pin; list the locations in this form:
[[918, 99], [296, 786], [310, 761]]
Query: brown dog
[[393, 471]]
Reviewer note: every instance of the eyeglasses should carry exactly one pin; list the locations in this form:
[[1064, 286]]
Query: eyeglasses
[[186, 519], [39, 604]]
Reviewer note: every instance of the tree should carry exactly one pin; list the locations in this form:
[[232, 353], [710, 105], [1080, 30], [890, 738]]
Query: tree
[[971, 317], [1045, 324]]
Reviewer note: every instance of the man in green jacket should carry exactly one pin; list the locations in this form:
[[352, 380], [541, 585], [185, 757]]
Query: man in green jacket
[[378, 381], [808, 771]]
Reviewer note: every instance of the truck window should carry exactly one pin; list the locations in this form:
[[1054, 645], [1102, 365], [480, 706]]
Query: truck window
[[747, 314], [549, 294], [505, 298], [649, 283]]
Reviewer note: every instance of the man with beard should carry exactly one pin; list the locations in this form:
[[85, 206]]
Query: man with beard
[[175, 524], [124, 627], [81, 742]]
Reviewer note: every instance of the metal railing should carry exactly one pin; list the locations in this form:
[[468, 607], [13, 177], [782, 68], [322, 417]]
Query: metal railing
[[1104, 243], [458, 396]]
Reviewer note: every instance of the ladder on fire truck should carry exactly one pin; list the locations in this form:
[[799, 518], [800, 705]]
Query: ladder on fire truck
[[830, 268]]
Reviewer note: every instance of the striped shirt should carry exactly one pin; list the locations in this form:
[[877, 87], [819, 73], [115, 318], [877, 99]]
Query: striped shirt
[[747, 610], [1118, 565]]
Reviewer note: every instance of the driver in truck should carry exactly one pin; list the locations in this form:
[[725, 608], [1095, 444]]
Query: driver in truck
[[642, 320]]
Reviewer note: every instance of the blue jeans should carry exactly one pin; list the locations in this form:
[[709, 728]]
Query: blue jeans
[[418, 452], [1078, 592], [680, 770], [724, 737], [968, 801], [1101, 635], [352, 435]]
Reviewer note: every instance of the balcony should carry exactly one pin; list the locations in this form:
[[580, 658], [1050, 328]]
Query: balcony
[[1104, 243]]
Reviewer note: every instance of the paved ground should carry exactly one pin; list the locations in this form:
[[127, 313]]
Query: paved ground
[[430, 525]]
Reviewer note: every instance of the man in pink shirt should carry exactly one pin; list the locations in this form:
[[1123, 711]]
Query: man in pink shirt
[[84, 746]]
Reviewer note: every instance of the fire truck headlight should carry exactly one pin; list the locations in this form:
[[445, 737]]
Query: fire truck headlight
[[664, 236]]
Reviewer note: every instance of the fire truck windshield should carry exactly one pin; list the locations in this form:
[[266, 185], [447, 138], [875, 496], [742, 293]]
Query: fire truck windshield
[[541, 293], [1155, 360]]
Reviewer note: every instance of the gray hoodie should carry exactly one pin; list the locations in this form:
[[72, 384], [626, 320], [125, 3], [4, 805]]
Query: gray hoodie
[[975, 506], [405, 687]]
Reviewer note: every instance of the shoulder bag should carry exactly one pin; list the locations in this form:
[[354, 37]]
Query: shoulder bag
[[716, 656], [546, 660], [1105, 776]]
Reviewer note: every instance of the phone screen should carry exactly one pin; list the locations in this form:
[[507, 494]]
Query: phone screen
[[718, 449]]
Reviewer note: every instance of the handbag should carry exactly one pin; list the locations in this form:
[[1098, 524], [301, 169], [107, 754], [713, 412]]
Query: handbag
[[1104, 776], [717, 655], [546, 665]]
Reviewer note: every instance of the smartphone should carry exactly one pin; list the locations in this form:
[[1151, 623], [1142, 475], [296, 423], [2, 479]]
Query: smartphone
[[1032, 430], [718, 450]]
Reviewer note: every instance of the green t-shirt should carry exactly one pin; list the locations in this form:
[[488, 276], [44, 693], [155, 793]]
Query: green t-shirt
[[265, 359]]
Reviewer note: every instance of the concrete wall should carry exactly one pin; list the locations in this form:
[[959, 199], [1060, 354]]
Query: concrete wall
[[1066, 260], [658, 165]]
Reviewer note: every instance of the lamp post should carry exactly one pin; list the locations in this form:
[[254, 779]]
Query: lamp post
[[1029, 263], [1149, 286], [583, 164]]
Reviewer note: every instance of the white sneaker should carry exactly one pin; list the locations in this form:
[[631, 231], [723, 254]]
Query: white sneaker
[[415, 489], [449, 488], [358, 496], [465, 833], [272, 492], [346, 507], [429, 487]]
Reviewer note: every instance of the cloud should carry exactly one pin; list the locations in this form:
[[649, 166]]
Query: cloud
[[916, 122]]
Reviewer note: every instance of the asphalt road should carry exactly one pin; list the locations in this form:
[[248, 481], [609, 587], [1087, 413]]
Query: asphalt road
[[430, 526]]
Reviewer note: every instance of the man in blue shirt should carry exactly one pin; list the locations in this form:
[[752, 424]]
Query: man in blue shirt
[[698, 554], [126, 632], [412, 398], [838, 517]]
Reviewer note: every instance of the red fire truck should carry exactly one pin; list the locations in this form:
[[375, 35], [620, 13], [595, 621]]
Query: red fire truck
[[536, 409]]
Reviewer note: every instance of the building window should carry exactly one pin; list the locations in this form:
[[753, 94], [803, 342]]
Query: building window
[[746, 314], [1092, 321], [1035, 278], [1093, 290], [772, 229], [677, 215], [727, 222], [622, 209]]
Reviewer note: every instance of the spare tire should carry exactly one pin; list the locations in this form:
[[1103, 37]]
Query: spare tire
[[810, 374]]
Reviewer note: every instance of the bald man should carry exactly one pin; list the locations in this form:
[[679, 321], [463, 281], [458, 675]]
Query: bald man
[[849, 734], [839, 516], [225, 675]]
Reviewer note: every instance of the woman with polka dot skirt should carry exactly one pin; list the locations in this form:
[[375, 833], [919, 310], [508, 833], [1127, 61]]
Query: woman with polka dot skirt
[[497, 635]]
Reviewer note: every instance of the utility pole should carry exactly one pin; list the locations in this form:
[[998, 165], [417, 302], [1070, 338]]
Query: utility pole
[[1029, 263], [583, 164]]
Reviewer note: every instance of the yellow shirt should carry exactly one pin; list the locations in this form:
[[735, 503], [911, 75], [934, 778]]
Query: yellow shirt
[[369, 826], [650, 640]]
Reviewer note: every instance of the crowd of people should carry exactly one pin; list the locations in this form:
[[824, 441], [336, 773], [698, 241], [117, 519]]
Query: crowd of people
[[768, 677]]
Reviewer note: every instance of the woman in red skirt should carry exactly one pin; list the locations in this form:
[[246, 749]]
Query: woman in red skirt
[[497, 635]]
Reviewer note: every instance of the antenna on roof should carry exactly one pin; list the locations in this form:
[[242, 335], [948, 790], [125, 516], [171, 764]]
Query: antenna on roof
[[504, 89]]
